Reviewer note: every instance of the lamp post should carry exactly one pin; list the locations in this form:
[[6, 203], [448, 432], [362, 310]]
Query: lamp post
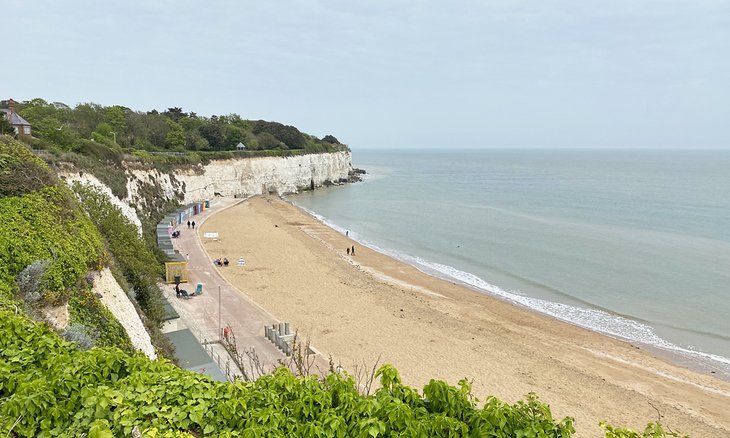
[[219, 314]]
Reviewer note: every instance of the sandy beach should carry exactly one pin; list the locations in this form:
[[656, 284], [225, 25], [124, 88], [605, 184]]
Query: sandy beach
[[358, 308]]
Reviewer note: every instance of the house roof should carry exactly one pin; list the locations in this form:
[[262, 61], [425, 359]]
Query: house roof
[[15, 119]]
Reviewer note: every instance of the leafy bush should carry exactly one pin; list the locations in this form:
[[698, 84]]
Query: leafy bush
[[48, 225], [20, 171], [57, 390], [652, 430]]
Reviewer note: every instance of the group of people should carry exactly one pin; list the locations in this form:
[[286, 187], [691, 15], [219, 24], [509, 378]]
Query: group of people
[[178, 291], [221, 262], [350, 251], [191, 224]]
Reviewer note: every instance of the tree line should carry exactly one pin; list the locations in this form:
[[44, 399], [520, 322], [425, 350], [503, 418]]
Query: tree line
[[59, 126]]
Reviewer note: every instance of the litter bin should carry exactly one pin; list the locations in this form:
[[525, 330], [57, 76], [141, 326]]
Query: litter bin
[[177, 279], [207, 203], [199, 289]]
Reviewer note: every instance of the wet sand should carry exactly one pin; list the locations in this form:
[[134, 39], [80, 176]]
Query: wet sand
[[358, 308]]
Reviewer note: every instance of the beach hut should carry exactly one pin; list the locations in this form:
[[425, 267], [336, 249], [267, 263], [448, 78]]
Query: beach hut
[[177, 267], [240, 146]]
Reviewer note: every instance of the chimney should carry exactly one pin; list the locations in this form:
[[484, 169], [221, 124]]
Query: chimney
[[11, 105]]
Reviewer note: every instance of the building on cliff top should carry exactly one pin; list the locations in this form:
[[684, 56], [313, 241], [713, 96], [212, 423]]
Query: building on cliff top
[[22, 127]]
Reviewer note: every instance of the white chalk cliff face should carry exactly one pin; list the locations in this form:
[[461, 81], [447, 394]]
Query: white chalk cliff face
[[114, 299], [87, 179], [242, 177], [249, 176]]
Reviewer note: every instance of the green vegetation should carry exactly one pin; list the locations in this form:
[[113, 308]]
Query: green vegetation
[[133, 262], [48, 387], [53, 389], [95, 130], [48, 245]]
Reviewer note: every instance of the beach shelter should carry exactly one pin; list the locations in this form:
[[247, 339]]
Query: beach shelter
[[240, 146]]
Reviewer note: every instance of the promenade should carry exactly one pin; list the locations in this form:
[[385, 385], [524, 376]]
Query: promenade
[[221, 304]]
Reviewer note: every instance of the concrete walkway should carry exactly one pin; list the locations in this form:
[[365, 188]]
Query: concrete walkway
[[205, 314]]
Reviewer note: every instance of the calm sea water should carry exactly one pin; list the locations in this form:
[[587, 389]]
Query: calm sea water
[[634, 244]]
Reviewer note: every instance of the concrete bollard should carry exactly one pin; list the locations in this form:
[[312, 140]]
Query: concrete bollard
[[281, 328], [286, 328], [267, 332]]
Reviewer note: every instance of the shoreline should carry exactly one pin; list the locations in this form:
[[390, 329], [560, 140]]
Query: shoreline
[[697, 361], [358, 307]]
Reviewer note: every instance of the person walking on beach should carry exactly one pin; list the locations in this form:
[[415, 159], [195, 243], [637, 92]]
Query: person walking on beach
[[193, 224], [188, 224], [348, 250], [347, 233], [353, 250]]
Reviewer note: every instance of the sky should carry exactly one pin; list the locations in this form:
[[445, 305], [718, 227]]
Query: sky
[[394, 73]]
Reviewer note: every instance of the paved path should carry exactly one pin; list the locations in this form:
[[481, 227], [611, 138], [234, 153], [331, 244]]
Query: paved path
[[204, 314]]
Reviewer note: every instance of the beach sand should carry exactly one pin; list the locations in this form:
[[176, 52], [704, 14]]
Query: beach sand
[[358, 308]]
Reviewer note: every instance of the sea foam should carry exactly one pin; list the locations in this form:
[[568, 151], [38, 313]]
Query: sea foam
[[592, 319]]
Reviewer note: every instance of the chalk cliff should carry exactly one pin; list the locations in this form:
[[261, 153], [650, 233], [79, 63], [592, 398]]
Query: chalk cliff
[[235, 177]]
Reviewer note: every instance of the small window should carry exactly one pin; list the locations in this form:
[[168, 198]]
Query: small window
[[26, 130]]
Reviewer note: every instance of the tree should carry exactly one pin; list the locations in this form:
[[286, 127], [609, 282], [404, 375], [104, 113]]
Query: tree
[[5, 126], [331, 139], [289, 135], [195, 142], [234, 135], [175, 113], [114, 115], [211, 131], [175, 137], [268, 141], [86, 117]]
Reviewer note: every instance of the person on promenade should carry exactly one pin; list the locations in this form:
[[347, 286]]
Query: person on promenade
[[348, 250], [225, 261], [193, 224], [188, 224], [353, 250], [177, 290]]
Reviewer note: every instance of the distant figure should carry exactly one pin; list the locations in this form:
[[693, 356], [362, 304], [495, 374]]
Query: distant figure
[[193, 224], [353, 250], [225, 261], [177, 290], [188, 224], [348, 250], [347, 233]]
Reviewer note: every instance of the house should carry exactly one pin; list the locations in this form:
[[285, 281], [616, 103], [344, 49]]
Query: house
[[22, 127], [240, 146]]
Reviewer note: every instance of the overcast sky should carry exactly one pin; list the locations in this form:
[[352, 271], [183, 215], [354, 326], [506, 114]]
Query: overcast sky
[[394, 73]]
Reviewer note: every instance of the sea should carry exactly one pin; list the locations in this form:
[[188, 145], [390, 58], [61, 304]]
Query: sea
[[634, 244]]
